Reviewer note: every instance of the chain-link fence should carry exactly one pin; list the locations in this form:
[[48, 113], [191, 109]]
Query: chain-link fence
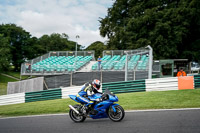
[[80, 78]]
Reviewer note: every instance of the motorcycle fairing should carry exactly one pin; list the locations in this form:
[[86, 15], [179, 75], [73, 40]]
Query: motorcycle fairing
[[73, 97], [102, 108]]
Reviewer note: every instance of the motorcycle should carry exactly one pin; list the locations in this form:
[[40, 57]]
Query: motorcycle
[[104, 108]]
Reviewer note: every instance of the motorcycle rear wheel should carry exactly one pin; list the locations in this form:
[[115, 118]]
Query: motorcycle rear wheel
[[76, 117], [118, 115]]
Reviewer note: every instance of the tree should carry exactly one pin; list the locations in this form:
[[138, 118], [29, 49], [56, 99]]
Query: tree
[[172, 28], [4, 53], [98, 47], [56, 42], [19, 41]]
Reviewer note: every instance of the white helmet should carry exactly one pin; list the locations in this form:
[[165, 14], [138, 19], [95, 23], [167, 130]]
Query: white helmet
[[96, 84]]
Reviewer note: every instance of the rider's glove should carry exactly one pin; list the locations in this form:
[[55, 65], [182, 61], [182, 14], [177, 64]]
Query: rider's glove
[[99, 100]]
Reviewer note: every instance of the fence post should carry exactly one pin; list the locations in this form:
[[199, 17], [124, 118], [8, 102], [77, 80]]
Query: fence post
[[101, 77], [126, 67], [71, 79], [21, 70], [150, 61]]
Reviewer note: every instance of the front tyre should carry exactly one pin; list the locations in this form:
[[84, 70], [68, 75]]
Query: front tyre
[[118, 115], [76, 117]]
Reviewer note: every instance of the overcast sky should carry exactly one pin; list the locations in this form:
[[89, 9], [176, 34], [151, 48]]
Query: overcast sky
[[73, 17]]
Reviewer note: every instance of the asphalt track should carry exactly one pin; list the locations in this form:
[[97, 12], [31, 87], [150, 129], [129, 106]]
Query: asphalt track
[[161, 121]]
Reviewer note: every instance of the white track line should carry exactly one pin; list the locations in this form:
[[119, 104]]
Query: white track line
[[128, 111], [152, 110], [33, 116]]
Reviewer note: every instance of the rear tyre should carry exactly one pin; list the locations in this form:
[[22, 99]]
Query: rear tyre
[[118, 115], [76, 117]]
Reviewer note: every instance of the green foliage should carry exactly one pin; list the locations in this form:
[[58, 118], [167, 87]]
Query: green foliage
[[170, 27], [18, 41], [98, 47], [4, 53], [56, 42]]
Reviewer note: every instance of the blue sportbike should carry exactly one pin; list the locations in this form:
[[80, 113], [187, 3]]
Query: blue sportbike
[[104, 108]]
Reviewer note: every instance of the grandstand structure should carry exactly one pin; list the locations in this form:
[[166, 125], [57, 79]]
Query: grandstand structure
[[137, 64], [66, 68], [64, 62]]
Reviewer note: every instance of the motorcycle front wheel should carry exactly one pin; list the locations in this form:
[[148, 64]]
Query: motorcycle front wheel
[[118, 115], [76, 117]]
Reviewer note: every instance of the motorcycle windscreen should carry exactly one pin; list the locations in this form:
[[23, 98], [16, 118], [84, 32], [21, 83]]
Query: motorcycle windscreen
[[113, 98]]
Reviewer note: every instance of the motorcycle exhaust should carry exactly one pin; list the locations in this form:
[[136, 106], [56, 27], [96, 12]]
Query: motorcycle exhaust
[[71, 107]]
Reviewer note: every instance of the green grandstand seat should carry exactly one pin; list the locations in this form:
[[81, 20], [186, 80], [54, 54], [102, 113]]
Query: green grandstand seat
[[110, 63], [60, 63], [51, 68], [94, 67]]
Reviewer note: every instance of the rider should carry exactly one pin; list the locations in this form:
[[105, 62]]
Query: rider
[[87, 90]]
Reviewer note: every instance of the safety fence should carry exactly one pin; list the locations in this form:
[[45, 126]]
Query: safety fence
[[197, 81], [43, 95], [12, 99], [162, 84], [125, 86], [70, 91], [159, 84]]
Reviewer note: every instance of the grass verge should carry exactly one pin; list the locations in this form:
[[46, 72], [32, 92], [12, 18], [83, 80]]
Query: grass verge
[[16, 75], [129, 101], [3, 84], [5, 79], [3, 88]]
